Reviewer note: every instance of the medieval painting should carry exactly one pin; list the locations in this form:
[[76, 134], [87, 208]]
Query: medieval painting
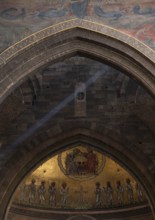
[[80, 177], [81, 162]]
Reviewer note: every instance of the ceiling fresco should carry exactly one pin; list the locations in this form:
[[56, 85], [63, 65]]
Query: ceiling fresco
[[79, 178], [19, 19]]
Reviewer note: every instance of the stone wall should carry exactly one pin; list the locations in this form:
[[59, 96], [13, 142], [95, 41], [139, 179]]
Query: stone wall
[[113, 112]]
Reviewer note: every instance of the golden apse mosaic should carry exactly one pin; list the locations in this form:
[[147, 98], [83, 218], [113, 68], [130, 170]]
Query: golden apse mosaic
[[79, 178]]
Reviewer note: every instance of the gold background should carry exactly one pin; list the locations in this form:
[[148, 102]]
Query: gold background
[[50, 171]]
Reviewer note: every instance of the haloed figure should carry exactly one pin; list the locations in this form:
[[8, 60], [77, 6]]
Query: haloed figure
[[98, 193], [52, 194], [41, 192], [64, 194], [129, 190], [32, 191], [109, 191], [120, 193], [139, 190]]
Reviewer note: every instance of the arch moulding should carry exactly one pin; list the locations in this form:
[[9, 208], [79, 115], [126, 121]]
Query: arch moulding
[[67, 39], [71, 37], [52, 146]]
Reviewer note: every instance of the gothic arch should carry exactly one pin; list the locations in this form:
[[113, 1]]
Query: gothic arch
[[65, 40], [71, 37], [102, 141]]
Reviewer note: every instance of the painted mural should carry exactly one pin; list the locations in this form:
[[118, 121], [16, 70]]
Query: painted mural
[[70, 181], [21, 18], [81, 163]]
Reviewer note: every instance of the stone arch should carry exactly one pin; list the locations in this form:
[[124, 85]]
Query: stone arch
[[71, 37], [65, 40], [102, 141]]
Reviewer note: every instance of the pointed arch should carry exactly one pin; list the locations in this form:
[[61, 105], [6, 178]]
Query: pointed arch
[[106, 144], [67, 39], [72, 37]]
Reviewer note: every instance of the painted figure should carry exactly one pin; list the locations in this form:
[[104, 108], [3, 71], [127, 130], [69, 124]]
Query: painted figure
[[111, 14], [109, 191], [81, 163], [64, 194], [52, 194], [22, 188], [129, 190], [41, 192], [32, 191], [92, 161], [103, 195], [98, 193], [139, 190], [120, 192], [71, 165], [52, 13]]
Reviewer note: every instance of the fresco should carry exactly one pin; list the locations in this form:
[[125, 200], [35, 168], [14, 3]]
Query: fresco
[[79, 8], [13, 13], [99, 11], [18, 19], [69, 181], [81, 163]]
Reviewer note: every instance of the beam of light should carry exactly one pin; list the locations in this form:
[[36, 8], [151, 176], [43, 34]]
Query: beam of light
[[53, 112]]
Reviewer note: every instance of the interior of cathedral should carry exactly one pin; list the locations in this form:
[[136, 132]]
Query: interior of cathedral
[[77, 110]]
